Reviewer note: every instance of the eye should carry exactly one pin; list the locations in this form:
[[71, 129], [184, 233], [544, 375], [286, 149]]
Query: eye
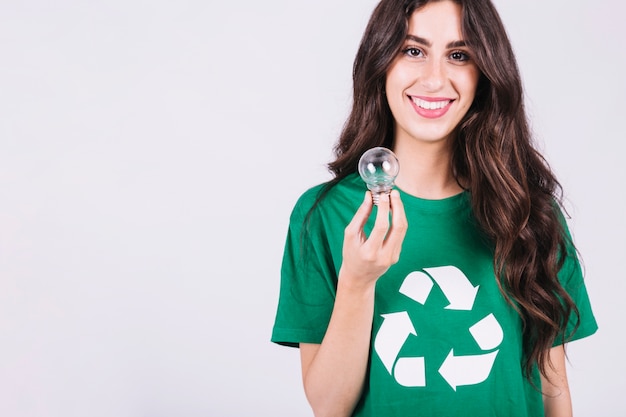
[[459, 56], [412, 52]]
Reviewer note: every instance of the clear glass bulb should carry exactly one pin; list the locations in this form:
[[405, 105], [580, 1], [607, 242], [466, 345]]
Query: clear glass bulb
[[379, 168]]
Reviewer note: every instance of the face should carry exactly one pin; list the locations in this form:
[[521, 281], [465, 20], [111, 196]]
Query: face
[[432, 82]]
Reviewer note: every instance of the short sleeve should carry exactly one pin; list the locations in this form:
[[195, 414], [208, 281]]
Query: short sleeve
[[308, 279], [572, 280]]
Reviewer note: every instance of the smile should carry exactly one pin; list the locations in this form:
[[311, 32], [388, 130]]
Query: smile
[[430, 105], [433, 108]]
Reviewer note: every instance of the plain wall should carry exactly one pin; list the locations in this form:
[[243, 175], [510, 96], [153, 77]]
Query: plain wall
[[150, 156]]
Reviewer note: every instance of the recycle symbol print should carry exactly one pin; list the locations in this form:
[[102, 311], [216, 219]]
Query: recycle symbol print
[[397, 327]]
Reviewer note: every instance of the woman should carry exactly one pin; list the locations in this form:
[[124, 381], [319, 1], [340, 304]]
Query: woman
[[453, 296]]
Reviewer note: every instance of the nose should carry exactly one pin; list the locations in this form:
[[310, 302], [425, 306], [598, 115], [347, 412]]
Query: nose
[[433, 75]]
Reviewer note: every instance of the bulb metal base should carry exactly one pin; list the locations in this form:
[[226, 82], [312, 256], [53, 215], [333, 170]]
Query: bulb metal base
[[376, 195]]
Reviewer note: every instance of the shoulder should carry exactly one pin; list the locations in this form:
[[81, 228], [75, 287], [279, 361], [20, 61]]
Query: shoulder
[[307, 200], [327, 195]]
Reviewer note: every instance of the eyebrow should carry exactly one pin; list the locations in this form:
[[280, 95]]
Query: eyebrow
[[454, 44]]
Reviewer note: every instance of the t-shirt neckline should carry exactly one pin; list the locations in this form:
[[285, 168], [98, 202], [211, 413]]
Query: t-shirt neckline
[[443, 205]]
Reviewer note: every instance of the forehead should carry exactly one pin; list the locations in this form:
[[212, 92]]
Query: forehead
[[437, 20]]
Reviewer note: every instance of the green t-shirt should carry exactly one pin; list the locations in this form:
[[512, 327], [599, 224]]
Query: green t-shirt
[[444, 342]]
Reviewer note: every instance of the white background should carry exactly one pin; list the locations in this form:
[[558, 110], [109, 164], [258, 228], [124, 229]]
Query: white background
[[150, 155]]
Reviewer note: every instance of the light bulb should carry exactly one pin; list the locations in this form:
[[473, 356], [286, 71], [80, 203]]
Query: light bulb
[[379, 168]]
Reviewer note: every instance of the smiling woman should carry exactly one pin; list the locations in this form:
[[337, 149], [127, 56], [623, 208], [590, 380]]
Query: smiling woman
[[456, 293]]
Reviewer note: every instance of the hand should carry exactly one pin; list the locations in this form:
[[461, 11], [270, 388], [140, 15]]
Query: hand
[[365, 259]]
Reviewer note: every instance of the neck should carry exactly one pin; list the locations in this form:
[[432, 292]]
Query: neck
[[426, 170]]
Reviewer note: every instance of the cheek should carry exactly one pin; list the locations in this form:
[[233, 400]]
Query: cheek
[[471, 82], [467, 88], [394, 90], [390, 83], [398, 77]]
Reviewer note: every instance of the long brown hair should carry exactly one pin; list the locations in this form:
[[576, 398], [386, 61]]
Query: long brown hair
[[514, 194]]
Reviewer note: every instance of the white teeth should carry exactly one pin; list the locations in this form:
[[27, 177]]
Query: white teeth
[[430, 105]]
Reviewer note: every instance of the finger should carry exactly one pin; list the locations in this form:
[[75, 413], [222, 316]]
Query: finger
[[397, 231], [399, 223], [362, 214], [381, 226]]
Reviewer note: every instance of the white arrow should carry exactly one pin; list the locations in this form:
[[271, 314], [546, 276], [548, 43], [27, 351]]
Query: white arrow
[[467, 370], [410, 372], [455, 286], [487, 332], [392, 334], [417, 286]]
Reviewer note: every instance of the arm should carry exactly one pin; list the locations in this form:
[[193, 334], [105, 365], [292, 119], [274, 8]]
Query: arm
[[333, 372], [556, 396]]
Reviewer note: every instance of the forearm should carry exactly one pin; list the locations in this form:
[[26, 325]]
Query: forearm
[[556, 395], [334, 376], [558, 406]]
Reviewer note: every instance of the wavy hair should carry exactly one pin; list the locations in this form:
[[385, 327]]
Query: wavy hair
[[515, 196]]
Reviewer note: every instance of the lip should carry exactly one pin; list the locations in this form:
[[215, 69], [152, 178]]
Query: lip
[[431, 113]]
